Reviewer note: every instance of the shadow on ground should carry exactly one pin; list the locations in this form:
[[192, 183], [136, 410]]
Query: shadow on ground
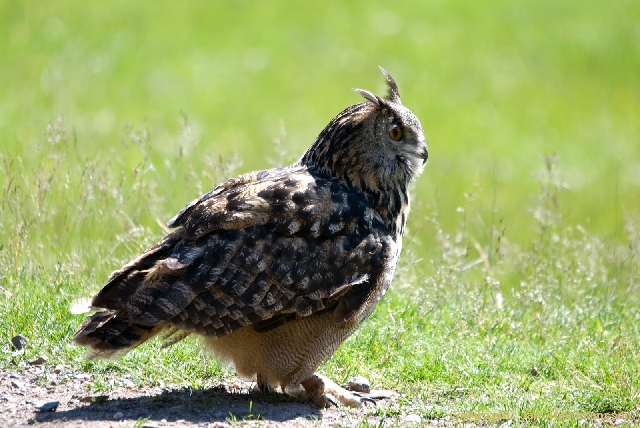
[[186, 405]]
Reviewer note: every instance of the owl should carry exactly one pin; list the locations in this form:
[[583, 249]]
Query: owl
[[274, 269]]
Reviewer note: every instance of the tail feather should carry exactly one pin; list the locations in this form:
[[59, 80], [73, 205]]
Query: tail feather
[[114, 330], [127, 281], [109, 334]]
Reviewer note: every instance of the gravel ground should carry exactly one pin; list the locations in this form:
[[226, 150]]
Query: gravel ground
[[57, 396]]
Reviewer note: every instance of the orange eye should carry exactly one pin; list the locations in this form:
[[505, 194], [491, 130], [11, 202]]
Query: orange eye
[[395, 133]]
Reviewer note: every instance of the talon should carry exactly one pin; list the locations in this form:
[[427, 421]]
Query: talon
[[364, 399], [331, 400], [323, 392]]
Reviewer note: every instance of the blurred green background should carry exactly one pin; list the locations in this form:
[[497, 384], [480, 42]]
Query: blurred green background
[[496, 85]]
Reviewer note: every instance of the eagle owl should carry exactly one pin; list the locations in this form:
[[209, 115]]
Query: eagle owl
[[276, 268]]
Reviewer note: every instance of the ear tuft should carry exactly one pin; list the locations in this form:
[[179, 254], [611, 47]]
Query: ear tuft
[[379, 102], [392, 95]]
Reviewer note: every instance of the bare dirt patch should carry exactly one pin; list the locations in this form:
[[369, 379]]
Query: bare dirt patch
[[55, 396]]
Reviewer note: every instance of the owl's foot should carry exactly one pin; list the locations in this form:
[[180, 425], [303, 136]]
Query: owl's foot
[[324, 392], [263, 384]]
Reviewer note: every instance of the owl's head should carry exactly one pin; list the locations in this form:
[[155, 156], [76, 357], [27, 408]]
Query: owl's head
[[376, 145]]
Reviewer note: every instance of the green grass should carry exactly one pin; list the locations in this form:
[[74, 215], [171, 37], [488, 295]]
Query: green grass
[[518, 292]]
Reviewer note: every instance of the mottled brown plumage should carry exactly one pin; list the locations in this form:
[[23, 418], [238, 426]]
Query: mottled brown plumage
[[277, 268]]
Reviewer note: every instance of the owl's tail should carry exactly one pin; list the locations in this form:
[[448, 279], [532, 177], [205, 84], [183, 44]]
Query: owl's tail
[[109, 334], [113, 330]]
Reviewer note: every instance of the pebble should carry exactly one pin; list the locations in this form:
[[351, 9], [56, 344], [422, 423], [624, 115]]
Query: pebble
[[82, 376], [358, 384], [17, 384], [413, 419], [19, 342], [118, 416], [48, 407], [37, 361]]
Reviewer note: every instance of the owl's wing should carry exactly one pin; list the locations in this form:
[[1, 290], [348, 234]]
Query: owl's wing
[[264, 250]]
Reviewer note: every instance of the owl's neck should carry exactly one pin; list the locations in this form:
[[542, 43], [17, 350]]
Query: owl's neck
[[388, 198], [393, 206]]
